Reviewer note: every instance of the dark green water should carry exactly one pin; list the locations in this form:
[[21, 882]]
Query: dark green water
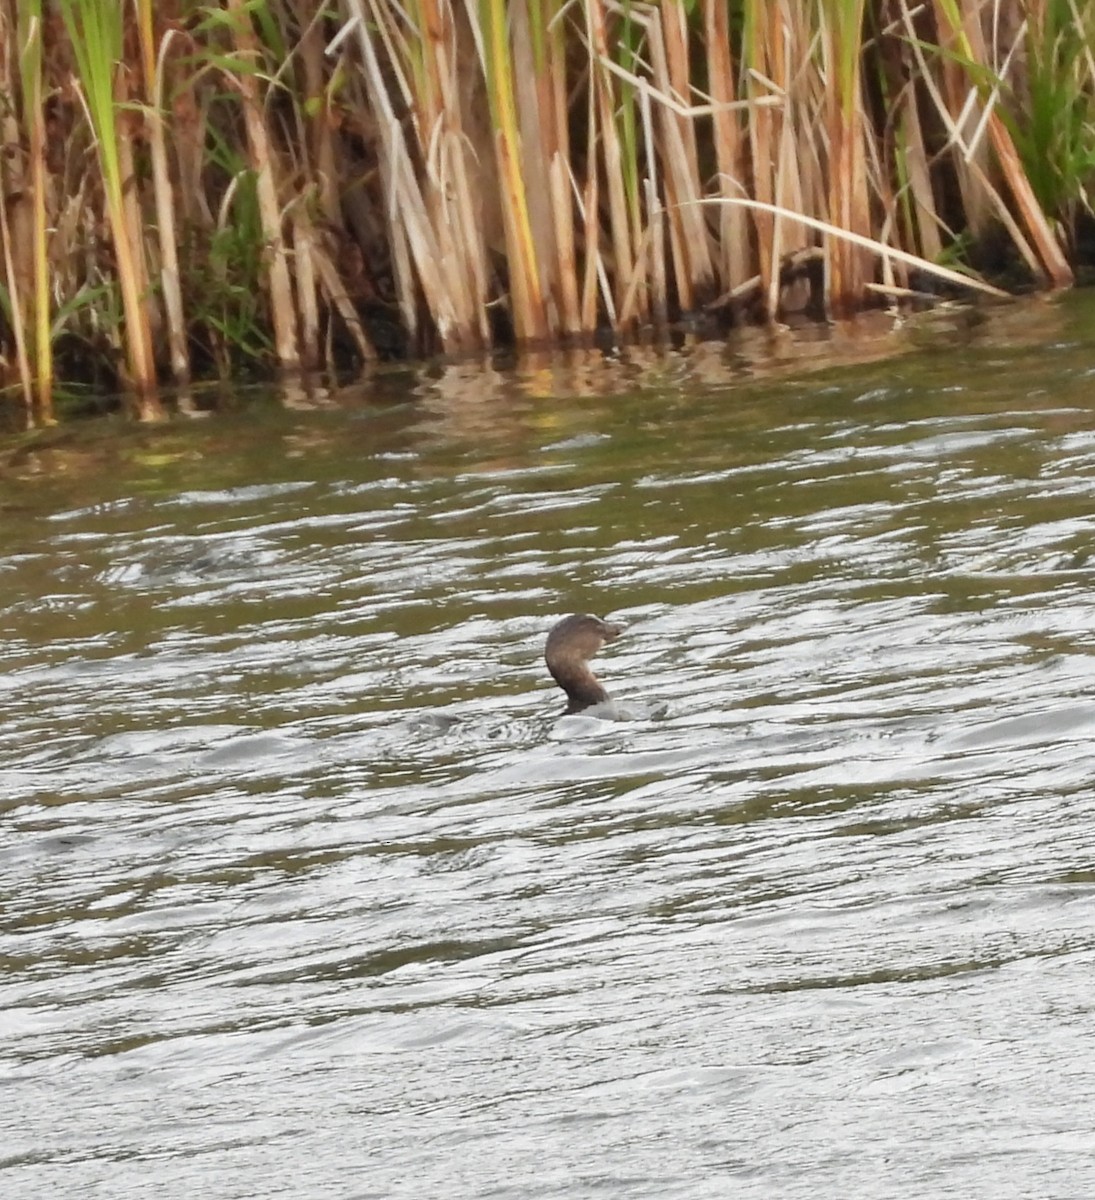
[[305, 891]]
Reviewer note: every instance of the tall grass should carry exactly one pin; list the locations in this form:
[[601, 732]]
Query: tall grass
[[1051, 116], [95, 33], [273, 184]]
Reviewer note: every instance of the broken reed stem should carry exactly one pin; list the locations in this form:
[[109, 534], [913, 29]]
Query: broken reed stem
[[1050, 254]]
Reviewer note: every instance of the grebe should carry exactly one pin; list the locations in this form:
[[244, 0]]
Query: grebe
[[570, 646]]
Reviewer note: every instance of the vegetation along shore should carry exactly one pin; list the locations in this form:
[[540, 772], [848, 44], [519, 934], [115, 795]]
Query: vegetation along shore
[[195, 189]]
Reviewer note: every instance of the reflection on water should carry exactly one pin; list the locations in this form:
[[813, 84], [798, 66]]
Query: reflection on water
[[305, 891]]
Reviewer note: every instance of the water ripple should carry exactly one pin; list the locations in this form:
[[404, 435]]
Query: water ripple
[[305, 890]]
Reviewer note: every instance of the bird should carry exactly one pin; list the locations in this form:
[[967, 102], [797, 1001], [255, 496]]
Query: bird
[[570, 645]]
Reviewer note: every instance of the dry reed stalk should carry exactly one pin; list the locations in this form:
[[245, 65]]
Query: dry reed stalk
[[969, 155], [913, 201], [733, 239], [43, 340], [11, 202], [658, 229], [317, 111], [765, 123], [152, 64], [694, 273], [786, 67], [928, 221], [847, 265], [303, 235], [28, 290], [128, 121], [408, 228], [535, 137], [189, 120], [550, 54], [642, 293], [526, 298], [339, 300], [645, 291], [12, 277], [76, 216], [971, 166], [260, 152], [434, 223], [595, 273], [434, 101], [802, 166], [925, 222], [656, 237], [1051, 256], [562, 209], [605, 135], [940, 272], [889, 229]]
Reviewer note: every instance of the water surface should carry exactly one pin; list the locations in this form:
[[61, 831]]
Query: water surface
[[305, 891]]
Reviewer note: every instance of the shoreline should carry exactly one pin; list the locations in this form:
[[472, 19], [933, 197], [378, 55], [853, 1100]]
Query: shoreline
[[195, 193]]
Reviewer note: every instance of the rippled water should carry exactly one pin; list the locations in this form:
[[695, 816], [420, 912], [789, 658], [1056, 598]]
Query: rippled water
[[305, 891]]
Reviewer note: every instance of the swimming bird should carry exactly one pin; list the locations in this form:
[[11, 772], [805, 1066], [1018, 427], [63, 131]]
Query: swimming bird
[[570, 646]]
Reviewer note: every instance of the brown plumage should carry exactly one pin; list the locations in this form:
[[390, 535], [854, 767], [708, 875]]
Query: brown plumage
[[570, 646]]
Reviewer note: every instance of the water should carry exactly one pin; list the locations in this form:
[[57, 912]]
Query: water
[[305, 892]]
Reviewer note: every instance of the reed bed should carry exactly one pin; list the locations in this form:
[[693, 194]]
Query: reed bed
[[193, 189]]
